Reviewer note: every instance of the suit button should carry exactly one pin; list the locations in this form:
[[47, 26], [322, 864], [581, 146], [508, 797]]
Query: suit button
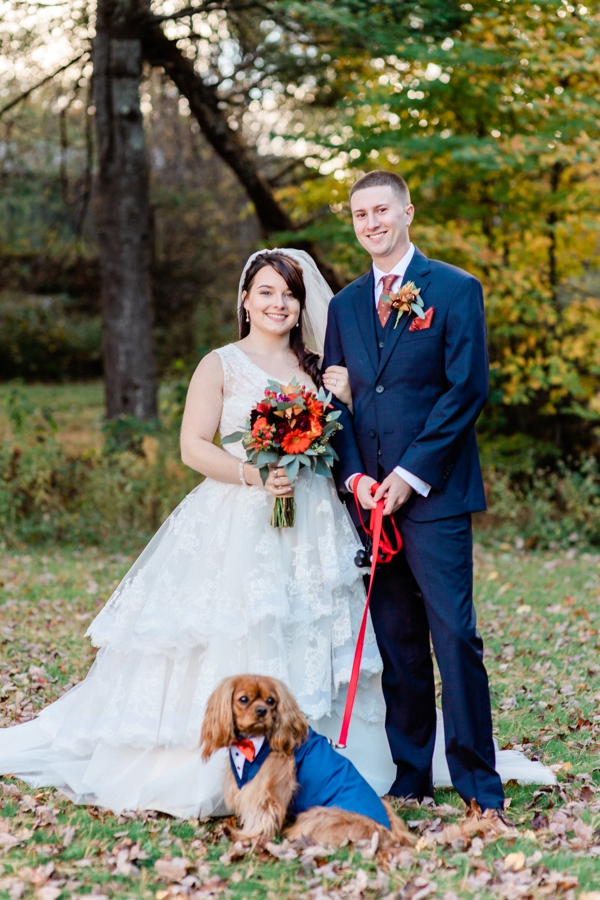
[[381, 345], [379, 452], [372, 433], [379, 389]]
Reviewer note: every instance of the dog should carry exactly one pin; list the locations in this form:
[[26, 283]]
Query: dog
[[280, 768]]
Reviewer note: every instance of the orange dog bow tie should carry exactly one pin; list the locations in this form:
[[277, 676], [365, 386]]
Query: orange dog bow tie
[[246, 748]]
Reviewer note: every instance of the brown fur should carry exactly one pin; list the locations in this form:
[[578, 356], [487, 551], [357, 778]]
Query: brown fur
[[335, 827], [250, 705]]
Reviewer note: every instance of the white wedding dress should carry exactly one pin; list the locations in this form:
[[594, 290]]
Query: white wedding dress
[[216, 592]]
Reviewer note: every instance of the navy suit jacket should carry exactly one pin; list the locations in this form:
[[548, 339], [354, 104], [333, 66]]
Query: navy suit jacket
[[415, 402], [325, 778]]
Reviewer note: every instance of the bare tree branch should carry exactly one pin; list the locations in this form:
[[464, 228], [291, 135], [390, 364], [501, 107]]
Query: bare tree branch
[[45, 80], [208, 111], [210, 5]]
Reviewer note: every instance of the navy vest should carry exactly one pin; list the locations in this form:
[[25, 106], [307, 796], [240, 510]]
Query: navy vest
[[383, 331], [325, 778]]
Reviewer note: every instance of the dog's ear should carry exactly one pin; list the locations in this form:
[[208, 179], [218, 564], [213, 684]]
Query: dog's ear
[[291, 727], [218, 727]]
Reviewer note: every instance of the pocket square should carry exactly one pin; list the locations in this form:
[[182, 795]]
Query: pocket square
[[418, 324]]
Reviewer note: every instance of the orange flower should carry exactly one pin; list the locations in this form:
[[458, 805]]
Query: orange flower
[[314, 406], [315, 428], [262, 433], [296, 442], [260, 423]]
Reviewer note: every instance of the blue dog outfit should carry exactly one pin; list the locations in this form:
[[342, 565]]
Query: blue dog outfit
[[325, 778]]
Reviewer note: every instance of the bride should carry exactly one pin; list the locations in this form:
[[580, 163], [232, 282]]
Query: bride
[[219, 591]]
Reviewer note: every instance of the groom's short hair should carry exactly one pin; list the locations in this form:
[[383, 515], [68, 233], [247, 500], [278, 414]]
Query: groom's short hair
[[380, 178]]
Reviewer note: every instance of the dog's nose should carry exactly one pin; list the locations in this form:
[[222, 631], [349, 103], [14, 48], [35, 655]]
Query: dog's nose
[[261, 711]]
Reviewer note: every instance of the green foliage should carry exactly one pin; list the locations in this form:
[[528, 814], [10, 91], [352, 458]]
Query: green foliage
[[41, 338], [549, 507], [495, 127], [48, 494], [126, 434]]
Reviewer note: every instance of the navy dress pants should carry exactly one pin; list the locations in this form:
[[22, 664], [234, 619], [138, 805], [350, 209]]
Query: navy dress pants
[[428, 589]]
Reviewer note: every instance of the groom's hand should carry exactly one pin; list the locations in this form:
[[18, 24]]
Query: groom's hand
[[363, 492], [396, 492]]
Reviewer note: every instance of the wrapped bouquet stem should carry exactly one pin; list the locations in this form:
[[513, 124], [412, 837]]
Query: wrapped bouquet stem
[[284, 508], [289, 428]]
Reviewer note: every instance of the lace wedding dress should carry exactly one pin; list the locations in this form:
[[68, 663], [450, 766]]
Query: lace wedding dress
[[216, 592]]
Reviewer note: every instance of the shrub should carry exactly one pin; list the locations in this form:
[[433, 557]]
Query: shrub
[[551, 508], [104, 496], [41, 338], [122, 492]]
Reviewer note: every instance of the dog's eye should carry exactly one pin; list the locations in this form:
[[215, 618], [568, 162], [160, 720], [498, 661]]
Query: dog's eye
[[270, 701], [243, 699]]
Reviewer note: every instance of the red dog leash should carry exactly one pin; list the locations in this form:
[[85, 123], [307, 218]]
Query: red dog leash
[[383, 551]]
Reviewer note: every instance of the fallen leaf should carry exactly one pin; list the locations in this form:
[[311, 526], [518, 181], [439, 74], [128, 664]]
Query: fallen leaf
[[281, 851], [48, 892], [7, 840], [584, 832], [514, 862], [478, 881], [172, 869]]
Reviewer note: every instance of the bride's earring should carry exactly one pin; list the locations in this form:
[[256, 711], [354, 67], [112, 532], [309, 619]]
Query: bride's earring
[[247, 316]]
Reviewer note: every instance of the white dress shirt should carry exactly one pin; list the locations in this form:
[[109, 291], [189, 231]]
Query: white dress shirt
[[399, 270], [238, 757]]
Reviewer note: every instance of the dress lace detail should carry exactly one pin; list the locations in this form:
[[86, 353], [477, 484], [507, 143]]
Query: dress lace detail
[[216, 592]]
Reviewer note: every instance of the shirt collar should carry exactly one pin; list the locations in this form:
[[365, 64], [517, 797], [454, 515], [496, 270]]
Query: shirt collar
[[399, 269], [238, 758]]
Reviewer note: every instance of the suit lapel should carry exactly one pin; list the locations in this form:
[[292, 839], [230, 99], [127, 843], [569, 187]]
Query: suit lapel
[[418, 271], [362, 303]]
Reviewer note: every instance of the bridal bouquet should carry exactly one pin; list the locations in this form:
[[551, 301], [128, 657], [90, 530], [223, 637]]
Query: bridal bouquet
[[290, 427]]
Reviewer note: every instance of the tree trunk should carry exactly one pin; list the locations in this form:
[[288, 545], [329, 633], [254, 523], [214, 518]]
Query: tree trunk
[[161, 52], [123, 215]]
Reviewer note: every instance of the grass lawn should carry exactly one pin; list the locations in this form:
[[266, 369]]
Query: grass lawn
[[77, 409], [538, 614]]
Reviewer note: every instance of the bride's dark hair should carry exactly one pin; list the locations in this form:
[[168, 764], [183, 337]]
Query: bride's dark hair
[[291, 272]]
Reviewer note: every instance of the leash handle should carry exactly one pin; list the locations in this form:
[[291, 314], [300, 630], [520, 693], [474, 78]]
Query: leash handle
[[383, 551]]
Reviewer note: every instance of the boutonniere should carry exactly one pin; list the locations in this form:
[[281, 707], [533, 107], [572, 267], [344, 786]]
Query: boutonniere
[[405, 300]]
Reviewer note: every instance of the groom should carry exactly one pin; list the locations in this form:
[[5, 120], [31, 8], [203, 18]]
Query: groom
[[418, 387]]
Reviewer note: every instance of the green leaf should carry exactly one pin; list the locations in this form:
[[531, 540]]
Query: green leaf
[[232, 438], [287, 459], [292, 469], [323, 469], [264, 473], [267, 456], [330, 455], [417, 309]]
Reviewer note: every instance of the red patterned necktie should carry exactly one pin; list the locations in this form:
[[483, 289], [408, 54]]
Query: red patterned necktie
[[384, 310], [246, 748]]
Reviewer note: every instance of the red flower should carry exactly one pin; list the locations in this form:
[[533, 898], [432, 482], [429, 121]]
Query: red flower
[[296, 442], [262, 433]]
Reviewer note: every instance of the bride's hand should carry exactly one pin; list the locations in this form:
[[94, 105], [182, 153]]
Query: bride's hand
[[335, 380], [277, 483]]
